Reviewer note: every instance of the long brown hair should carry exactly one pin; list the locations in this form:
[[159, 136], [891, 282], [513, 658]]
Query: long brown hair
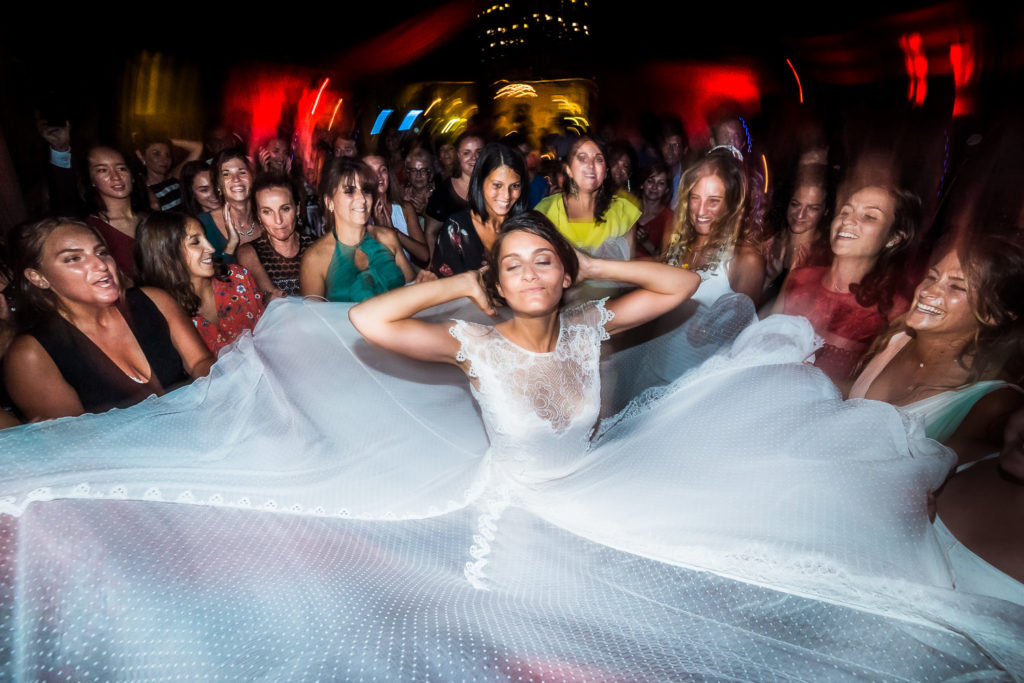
[[884, 280], [160, 261], [604, 194]]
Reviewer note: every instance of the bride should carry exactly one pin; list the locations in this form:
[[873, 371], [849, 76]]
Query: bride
[[338, 514]]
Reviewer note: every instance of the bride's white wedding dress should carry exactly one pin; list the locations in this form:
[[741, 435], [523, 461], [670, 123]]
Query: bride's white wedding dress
[[321, 510]]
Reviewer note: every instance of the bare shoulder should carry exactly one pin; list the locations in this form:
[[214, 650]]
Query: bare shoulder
[[746, 255], [321, 248], [385, 236], [158, 297], [26, 350]]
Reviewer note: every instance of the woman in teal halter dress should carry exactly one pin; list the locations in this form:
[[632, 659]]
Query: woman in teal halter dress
[[355, 261]]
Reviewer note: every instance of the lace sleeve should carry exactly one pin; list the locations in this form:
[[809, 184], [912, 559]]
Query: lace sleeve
[[592, 314], [469, 335]]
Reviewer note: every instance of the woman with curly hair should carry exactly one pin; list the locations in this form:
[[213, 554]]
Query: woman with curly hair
[[706, 229]]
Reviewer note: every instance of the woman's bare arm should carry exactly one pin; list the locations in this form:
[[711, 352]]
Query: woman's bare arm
[[313, 267], [660, 288], [746, 273], [389, 238], [195, 356], [35, 384], [249, 260], [981, 432], [387, 320]]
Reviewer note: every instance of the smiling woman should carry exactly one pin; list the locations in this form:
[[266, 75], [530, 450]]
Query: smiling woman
[[851, 301], [172, 253], [117, 215], [235, 224], [357, 259], [589, 213], [705, 234], [93, 347], [495, 195]]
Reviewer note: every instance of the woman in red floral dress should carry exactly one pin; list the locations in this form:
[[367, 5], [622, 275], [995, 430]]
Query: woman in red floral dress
[[172, 253]]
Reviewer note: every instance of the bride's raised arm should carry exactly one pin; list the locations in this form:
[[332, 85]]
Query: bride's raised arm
[[660, 288], [387, 319]]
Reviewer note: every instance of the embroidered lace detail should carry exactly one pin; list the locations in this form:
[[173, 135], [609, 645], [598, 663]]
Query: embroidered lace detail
[[514, 384], [487, 525]]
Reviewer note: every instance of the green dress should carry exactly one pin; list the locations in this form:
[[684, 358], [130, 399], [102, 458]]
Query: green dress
[[345, 282]]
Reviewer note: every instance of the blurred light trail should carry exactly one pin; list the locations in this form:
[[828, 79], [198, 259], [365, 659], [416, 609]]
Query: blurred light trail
[[797, 77]]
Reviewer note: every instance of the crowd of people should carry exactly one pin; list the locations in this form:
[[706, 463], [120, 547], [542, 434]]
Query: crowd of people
[[170, 259]]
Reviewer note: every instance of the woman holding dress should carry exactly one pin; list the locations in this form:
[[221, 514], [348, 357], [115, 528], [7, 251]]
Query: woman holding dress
[[943, 361], [534, 550], [94, 344]]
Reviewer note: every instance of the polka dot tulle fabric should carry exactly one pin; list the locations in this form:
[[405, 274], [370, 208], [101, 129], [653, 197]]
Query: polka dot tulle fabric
[[337, 514]]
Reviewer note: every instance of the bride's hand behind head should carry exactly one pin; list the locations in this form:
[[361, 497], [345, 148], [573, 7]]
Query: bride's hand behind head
[[478, 293]]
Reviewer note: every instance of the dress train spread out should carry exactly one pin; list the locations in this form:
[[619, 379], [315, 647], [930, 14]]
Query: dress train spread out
[[318, 509]]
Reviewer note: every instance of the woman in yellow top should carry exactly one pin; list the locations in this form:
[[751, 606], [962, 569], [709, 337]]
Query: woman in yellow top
[[588, 213]]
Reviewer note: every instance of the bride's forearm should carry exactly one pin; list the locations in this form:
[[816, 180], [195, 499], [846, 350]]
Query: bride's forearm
[[660, 288], [649, 275], [387, 319], [405, 302]]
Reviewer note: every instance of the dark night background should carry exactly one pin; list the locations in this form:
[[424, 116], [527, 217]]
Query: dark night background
[[641, 59]]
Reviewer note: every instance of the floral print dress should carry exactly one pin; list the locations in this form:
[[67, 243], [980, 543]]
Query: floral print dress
[[239, 307]]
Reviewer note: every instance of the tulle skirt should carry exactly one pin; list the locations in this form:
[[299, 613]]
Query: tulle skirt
[[320, 510]]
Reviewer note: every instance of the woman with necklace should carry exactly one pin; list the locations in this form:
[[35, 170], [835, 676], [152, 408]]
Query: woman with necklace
[[274, 260], [943, 362], [118, 210], [852, 300], [235, 224], [356, 260], [706, 228]]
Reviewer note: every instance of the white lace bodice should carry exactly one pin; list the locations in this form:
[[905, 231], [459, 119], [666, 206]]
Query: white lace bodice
[[539, 408]]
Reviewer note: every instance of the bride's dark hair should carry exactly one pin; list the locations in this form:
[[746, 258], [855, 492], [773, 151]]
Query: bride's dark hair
[[537, 224]]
